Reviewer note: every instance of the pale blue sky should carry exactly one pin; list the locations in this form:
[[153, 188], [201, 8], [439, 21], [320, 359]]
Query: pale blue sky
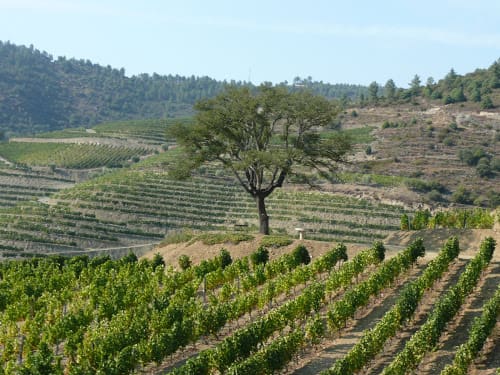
[[334, 41]]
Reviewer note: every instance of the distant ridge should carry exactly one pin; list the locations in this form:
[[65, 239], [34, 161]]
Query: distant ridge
[[41, 93]]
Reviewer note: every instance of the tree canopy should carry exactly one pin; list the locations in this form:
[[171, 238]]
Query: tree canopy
[[262, 137]]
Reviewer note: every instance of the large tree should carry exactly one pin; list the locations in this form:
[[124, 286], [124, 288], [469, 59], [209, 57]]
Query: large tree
[[262, 137], [390, 90], [373, 92]]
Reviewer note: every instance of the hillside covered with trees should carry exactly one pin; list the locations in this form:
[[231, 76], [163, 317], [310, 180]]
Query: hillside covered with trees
[[40, 93]]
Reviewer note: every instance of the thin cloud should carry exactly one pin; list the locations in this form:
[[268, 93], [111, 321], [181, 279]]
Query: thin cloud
[[407, 33], [416, 33]]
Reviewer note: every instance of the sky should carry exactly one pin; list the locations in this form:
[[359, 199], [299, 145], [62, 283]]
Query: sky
[[355, 42]]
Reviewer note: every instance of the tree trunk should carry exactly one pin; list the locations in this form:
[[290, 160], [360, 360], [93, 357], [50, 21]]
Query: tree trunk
[[263, 218]]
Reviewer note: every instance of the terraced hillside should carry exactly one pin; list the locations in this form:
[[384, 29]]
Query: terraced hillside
[[23, 184], [419, 147], [141, 205], [148, 132]]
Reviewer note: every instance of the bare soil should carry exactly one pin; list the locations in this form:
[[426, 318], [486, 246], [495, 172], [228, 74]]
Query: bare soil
[[198, 251]]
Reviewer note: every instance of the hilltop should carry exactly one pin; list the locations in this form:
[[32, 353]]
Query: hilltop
[[198, 251], [41, 93]]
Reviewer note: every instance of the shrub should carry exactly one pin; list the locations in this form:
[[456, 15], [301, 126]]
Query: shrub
[[487, 103], [379, 250], [225, 258], [157, 261], [417, 249], [259, 256], [471, 156], [184, 262], [129, 258], [301, 255], [483, 168], [434, 196], [424, 186], [461, 195]]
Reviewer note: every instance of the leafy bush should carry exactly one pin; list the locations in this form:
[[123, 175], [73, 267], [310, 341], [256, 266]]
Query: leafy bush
[[301, 255], [471, 156], [184, 262], [434, 196], [424, 186], [379, 249], [157, 261], [389, 124], [259, 256], [225, 258], [487, 103], [417, 249], [461, 195], [129, 258], [483, 168]]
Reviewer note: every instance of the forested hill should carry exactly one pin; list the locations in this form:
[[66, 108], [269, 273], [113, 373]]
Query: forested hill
[[39, 92]]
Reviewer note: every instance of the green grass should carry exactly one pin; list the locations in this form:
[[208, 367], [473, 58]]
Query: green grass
[[221, 238], [275, 241]]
